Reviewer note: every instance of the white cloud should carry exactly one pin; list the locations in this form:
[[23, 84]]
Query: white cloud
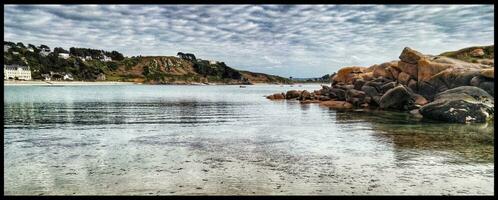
[[296, 40]]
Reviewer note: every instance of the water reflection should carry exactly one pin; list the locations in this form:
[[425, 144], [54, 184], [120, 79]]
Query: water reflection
[[473, 142], [224, 140], [69, 114]]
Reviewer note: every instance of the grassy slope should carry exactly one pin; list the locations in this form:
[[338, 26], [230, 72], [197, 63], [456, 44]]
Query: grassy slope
[[464, 54], [170, 69]]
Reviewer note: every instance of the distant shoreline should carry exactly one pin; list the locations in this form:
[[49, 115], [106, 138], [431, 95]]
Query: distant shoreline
[[66, 83], [38, 82]]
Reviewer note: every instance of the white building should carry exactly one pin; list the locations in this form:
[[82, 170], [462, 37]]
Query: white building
[[106, 58], [44, 51], [213, 62], [64, 55], [6, 48], [86, 58], [46, 76], [16, 71], [68, 77]]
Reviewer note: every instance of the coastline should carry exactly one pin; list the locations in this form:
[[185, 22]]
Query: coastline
[[13, 83], [39, 82]]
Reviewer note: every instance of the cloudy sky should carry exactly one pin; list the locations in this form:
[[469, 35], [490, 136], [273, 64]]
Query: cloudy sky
[[286, 40]]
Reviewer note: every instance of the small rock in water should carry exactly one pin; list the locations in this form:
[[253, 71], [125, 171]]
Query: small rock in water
[[416, 113]]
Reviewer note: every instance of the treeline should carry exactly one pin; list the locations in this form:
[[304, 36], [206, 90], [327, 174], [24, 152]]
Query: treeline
[[324, 78], [40, 63], [42, 60], [73, 51], [220, 69], [94, 53]]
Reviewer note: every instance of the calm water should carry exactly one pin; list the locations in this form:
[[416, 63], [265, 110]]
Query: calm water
[[163, 140]]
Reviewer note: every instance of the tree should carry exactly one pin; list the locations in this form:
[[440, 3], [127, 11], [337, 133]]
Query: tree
[[116, 55], [186, 56], [146, 71], [326, 77], [8, 43], [20, 45], [180, 54], [112, 65], [32, 46], [190, 56], [36, 50], [44, 47], [58, 50]]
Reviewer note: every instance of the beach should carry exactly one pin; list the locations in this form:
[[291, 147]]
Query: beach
[[66, 83]]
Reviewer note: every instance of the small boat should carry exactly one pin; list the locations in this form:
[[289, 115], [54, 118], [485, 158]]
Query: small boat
[[242, 86]]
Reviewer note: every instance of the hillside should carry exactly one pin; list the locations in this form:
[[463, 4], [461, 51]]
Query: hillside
[[254, 77], [477, 54], [91, 65], [170, 69]]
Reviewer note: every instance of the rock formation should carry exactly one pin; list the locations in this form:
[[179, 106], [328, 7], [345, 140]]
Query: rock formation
[[437, 87], [461, 104]]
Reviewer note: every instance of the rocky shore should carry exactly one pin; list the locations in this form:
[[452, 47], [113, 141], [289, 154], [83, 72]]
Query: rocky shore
[[433, 87]]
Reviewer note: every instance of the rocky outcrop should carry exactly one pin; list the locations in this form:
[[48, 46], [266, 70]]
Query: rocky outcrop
[[276, 96], [477, 52], [488, 73], [337, 104], [414, 82], [337, 93], [348, 74], [462, 104], [410, 56], [292, 94], [396, 98]]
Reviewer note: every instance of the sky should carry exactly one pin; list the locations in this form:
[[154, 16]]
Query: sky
[[285, 40]]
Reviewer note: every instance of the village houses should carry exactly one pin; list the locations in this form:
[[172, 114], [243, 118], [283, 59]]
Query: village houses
[[64, 55]]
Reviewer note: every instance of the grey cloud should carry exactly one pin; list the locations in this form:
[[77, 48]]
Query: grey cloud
[[288, 40]]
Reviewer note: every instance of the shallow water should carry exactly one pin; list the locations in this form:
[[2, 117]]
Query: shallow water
[[164, 140]]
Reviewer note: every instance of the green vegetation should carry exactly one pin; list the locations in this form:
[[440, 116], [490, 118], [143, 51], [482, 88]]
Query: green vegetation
[[152, 72], [41, 64], [220, 69], [324, 79], [94, 53], [88, 64], [464, 54], [130, 62]]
